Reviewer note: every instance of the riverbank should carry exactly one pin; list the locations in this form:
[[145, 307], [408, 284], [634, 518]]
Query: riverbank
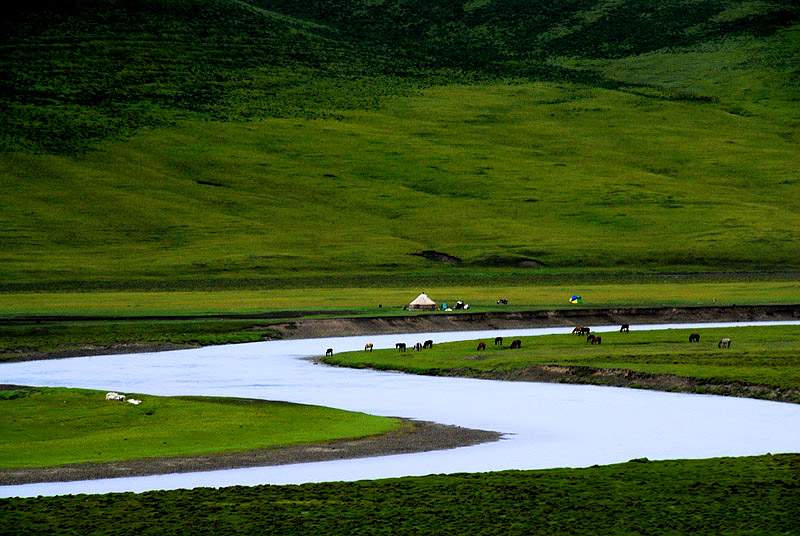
[[415, 436], [308, 328], [257, 327]]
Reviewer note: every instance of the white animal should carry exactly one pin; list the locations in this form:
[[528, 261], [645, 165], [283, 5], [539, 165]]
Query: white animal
[[134, 401], [115, 396]]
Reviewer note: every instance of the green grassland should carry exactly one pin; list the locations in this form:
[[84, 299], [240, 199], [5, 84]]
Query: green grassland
[[761, 355], [165, 144], [56, 426], [375, 300], [731, 496]]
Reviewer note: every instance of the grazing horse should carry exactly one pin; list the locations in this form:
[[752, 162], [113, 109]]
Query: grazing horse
[[516, 343], [590, 338], [502, 300], [694, 337], [724, 343], [401, 346], [368, 347], [625, 327], [597, 340], [418, 347], [578, 330], [328, 352], [498, 341], [481, 346], [427, 344]]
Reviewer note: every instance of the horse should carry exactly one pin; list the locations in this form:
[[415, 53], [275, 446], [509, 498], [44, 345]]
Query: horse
[[401, 346], [516, 343], [368, 347], [694, 337], [418, 347], [481, 346], [578, 330], [625, 327], [597, 340], [328, 352], [590, 338], [427, 344], [724, 342], [502, 300], [498, 341]]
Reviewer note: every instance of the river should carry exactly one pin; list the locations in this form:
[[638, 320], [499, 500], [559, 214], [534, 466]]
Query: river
[[545, 425]]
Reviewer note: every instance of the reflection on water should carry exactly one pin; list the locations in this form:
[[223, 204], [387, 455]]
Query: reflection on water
[[546, 425]]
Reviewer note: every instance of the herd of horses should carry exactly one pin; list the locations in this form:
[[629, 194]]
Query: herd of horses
[[591, 338]]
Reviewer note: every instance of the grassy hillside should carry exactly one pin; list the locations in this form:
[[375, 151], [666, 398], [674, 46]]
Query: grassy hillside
[[171, 143]]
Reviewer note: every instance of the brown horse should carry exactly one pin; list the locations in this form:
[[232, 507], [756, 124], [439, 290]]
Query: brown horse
[[591, 338], [481, 346], [516, 343], [368, 347]]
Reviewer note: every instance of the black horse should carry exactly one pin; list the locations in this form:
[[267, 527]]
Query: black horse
[[401, 346], [516, 344], [625, 327], [498, 341], [694, 337], [427, 344]]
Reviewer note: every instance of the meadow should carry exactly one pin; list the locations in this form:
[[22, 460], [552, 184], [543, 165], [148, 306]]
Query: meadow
[[43, 427], [323, 145]]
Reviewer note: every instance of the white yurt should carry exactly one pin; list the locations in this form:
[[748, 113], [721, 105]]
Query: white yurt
[[422, 303]]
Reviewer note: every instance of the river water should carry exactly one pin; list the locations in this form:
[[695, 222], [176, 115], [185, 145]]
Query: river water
[[545, 425]]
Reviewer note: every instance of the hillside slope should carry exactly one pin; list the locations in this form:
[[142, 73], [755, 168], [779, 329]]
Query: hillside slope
[[158, 140]]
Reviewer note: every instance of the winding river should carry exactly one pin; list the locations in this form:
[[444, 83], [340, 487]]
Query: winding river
[[545, 425]]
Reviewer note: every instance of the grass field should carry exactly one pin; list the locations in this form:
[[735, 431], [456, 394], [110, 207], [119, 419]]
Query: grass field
[[324, 143], [565, 176], [390, 299], [765, 355], [726, 496], [56, 426]]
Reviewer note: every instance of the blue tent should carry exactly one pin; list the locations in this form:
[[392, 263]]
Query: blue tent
[[575, 299]]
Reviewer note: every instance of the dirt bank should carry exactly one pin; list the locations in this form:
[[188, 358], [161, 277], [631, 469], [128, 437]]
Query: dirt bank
[[628, 378], [416, 436], [441, 321]]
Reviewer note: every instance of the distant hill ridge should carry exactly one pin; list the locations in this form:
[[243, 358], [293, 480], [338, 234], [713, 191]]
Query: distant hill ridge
[[110, 66]]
